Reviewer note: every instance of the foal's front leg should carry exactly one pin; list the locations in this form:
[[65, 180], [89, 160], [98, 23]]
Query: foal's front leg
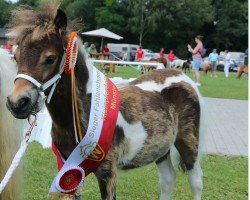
[[106, 176]]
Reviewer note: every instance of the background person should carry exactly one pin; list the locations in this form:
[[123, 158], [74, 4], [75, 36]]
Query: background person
[[161, 53], [170, 57], [92, 51], [227, 63], [105, 52], [213, 58], [125, 55], [139, 54], [246, 58], [86, 47], [9, 47], [138, 57], [197, 58]]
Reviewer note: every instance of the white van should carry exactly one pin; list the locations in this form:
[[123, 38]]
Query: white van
[[123, 51]]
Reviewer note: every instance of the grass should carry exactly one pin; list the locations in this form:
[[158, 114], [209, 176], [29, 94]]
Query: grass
[[220, 87], [225, 178]]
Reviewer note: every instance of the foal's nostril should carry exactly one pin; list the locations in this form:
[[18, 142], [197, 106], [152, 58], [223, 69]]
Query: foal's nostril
[[23, 102], [19, 105]]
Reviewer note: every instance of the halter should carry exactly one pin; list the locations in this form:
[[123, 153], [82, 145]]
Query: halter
[[68, 61], [67, 65]]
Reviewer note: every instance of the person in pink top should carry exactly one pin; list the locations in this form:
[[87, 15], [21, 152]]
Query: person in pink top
[[171, 58], [197, 58]]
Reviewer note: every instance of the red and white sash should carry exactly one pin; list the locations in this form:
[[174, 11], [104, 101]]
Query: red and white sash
[[92, 150]]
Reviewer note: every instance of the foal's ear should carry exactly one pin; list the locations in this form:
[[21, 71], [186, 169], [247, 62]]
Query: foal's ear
[[61, 21]]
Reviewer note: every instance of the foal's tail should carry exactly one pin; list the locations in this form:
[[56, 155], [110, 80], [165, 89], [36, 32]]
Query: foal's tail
[[203, 117], [10, 131]]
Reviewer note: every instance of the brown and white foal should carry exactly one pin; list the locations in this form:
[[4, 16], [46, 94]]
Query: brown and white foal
[[159, 111]]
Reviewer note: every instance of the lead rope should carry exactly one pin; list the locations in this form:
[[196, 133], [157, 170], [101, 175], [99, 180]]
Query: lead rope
[[16, 160]]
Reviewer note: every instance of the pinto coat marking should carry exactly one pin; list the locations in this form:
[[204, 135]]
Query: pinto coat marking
[[158, 111]]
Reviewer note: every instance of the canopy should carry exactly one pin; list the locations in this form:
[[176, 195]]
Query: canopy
[[103, 33]]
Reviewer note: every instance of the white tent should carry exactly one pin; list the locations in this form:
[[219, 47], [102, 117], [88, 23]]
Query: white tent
[[103, 33]]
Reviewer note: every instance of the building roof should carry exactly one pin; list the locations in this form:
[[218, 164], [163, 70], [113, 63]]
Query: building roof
[[3, 32]]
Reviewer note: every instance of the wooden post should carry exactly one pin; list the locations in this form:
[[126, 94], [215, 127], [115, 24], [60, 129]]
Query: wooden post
[[112, 68], [102, 58]]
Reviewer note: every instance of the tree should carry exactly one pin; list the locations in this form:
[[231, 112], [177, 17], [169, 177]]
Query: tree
[[167, 23], [110, 16], [32, 3], [184, 20], [5, 12], [159, 23], [84, 11], [231, 29], [141, 17]]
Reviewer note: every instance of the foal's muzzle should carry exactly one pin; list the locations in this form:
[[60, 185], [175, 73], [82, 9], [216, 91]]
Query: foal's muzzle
[[20, 108], [23, 99]]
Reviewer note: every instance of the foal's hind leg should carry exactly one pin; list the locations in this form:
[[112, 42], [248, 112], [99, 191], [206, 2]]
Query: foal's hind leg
[[195, 180], [187, 145], [167, 177], [187, 105]]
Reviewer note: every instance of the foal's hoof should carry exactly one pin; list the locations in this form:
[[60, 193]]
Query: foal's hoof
[[59, 196]]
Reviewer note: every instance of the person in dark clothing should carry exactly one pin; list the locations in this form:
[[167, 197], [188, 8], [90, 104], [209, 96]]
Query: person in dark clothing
[[246, 57]]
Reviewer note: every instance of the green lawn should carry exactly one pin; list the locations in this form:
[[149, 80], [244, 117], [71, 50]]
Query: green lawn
[[220, 87], [225, 178]]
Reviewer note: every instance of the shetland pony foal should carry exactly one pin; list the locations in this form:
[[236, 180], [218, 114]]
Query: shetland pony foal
[[10, 129], [159, 111]]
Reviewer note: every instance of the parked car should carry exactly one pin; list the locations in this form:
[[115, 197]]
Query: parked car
[[148, 56], [147, 51]]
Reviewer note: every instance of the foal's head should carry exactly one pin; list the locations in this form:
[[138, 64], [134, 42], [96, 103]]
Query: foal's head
[[39, 36]]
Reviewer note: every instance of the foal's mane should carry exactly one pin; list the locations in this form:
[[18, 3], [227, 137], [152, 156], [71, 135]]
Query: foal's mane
[[39, 23]]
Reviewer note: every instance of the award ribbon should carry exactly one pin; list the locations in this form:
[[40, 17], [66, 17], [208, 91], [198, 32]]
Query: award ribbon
[[93, 148]]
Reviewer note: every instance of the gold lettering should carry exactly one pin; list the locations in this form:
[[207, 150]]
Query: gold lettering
[[114, 103], [104, 115]]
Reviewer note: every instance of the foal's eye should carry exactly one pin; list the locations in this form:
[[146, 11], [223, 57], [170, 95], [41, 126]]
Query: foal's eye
[[50, 60]]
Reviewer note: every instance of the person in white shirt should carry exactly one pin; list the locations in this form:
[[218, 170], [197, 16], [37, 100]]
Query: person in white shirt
[[227, 63]]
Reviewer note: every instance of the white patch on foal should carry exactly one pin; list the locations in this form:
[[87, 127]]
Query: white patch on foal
[[135, 134], [158, 87], [195, 179], [167, 178]]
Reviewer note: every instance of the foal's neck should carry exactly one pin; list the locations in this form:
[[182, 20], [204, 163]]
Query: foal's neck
[[60, 108]]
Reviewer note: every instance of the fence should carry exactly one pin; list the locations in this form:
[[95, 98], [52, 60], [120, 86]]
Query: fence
[[144, 66]]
